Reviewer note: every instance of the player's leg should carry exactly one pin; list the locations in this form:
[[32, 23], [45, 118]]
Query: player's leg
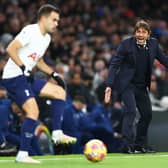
[[27, 130], [58, 96], [21, 93]]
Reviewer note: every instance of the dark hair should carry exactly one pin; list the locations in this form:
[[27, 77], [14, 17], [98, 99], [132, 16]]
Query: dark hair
[[142, 24], [80, 99], [46, 10]]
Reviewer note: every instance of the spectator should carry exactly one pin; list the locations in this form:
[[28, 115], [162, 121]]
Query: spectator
[[73, 124], [76, 87]]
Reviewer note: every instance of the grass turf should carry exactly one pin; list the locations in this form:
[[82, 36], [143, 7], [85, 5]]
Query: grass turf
[[158, 160]]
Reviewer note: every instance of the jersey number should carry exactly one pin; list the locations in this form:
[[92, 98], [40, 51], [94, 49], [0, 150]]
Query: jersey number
[[27, 92]]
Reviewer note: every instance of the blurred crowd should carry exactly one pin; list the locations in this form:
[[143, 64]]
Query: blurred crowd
[[81, 49]]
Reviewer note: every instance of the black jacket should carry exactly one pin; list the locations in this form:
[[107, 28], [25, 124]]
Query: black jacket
[[123, 66]]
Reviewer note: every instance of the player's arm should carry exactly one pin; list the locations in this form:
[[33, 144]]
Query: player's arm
[[12, 50], [45, 68]]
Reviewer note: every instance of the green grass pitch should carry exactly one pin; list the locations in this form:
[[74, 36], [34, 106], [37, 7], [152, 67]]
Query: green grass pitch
[[158, 160]]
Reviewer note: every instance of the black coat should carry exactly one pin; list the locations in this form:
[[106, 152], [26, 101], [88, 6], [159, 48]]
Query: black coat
[[122, 67]]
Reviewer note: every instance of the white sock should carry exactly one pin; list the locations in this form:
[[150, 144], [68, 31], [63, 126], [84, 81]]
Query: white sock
[[21, 154]]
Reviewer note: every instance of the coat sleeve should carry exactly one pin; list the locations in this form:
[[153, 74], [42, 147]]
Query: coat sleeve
[[161, 57], [115, 64]]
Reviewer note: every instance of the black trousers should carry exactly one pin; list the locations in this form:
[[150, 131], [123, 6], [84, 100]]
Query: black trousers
[[134, 99]]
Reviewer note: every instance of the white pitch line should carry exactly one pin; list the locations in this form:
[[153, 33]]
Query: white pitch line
[[6, 161], [64, 158], [46, 159], [77, 158], [139, 155]]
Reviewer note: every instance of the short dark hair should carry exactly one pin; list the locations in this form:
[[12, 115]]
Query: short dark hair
[[80, 98], [46, 10], [142, 24]]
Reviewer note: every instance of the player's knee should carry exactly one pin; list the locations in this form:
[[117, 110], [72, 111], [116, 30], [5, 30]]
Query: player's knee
[[63, 94], [60, 94]]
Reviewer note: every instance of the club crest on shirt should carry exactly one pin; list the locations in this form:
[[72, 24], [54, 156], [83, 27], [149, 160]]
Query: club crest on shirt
[[34, 56]]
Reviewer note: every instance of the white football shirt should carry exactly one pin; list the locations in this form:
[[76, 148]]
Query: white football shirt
[[34, 47]]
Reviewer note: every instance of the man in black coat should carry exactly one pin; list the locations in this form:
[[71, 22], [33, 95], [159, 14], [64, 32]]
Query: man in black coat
[[130, 74]]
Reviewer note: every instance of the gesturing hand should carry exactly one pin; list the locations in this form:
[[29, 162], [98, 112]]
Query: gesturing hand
[[27, 73], [58, 79], [107, 96]]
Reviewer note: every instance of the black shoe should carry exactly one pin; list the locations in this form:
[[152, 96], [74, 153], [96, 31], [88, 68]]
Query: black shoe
[[143, 149], [129, 149], [8, 149], [139, 149], [149, 150]]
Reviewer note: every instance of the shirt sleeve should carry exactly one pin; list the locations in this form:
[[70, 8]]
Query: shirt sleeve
[[24, 36]]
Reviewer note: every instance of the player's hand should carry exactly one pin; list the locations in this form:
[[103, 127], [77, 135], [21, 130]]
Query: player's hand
[[58, 79], [107, 96], [27, 73]]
